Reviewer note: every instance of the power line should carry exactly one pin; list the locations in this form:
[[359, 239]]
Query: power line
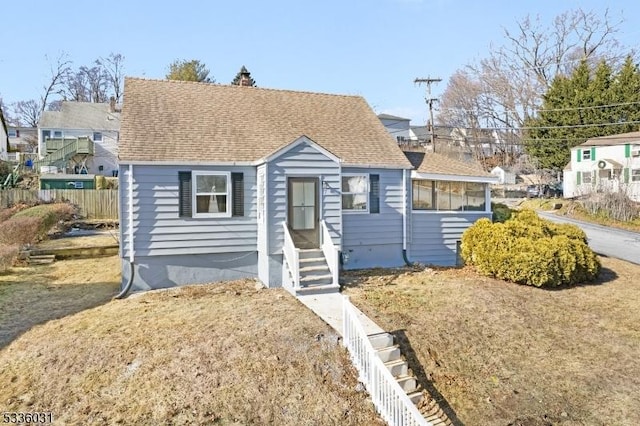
[[547, 110]]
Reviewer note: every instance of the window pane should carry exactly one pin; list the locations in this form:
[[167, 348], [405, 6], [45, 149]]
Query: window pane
[[354, 184], [309, 194], [443, 196], [422, 194], [635, 175], [211, 183], [354, 202], [475, 197], [211, 204], [303, 218], [457, 191]]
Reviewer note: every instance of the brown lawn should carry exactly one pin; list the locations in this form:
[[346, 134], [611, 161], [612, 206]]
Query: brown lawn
[[505, 354], [224, 353]]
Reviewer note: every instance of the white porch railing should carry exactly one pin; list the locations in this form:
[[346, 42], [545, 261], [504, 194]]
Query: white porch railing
[[390, 400], [291, 255], [330, 251]]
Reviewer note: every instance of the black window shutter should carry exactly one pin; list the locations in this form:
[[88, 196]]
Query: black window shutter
[[184, 194], [374, 194], [237, 193]]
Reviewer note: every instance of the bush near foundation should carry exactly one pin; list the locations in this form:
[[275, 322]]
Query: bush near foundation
[[529, 250]]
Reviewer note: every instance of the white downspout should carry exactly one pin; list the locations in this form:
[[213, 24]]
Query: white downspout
[[404, 210], [130, 196]]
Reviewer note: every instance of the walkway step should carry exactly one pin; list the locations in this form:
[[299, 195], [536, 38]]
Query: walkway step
[[316, 279], [313, 268], [41, 259], [408, 384], [311, 254], [390, 353], [318, 289], [397, 368], [415, 397], [381, 340]]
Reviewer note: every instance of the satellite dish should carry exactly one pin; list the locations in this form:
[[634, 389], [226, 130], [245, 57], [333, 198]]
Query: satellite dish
[[602, 164]]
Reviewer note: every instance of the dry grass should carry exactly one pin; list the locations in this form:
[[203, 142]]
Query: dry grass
[[501, 353], [70, 240], [224, 354]]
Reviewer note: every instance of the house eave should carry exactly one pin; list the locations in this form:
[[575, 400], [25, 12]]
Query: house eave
[[452, 177], [185, 163], [377, 166]]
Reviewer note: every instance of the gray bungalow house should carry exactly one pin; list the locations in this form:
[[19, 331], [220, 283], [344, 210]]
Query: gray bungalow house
[[224, 182]]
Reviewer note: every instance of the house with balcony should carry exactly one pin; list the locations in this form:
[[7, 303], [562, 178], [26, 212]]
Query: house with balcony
[[604, 164], [80, 137]]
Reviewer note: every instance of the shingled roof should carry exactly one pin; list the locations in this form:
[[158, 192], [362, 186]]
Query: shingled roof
[[81, 116], [183, 121], [619, 139], [431, 162]]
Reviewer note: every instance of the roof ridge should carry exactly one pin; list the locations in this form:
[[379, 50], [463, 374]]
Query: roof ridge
[[267, 89]]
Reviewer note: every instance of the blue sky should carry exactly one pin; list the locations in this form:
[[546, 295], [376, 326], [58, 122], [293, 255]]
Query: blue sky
[[371, 48]]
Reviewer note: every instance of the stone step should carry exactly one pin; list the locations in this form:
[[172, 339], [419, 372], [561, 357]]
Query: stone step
[[317, 289], [390, 353], [311, 254], [397, 368], [312, 261], [310, 269], [415, 397], [42, 259], [308, 280], [408, 383], [381, 340]]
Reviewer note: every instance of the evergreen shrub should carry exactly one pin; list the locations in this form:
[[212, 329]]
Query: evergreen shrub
[[529, 250]]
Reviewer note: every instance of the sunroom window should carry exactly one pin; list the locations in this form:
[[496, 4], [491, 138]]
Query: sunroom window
[[440, 195]]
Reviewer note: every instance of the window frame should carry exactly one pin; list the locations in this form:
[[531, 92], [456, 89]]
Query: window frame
[[55, 132], [435, 191], [13, 133], [194, 194], [97, 139], [587, 174], [635, 173], [586, 155], [367, 193]]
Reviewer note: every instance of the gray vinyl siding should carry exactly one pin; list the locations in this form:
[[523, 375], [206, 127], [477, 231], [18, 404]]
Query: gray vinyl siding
[[375, 239], [377, 228], [159, 231], [302, 160], [435, 235]]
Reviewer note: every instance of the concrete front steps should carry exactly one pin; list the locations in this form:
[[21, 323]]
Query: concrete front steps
[[390, 355], [315, 276]]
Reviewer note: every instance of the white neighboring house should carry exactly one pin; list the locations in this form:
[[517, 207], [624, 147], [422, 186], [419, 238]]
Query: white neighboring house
[[100, 122], [504, 174], [4, 137], [607, 163], [398, 127]]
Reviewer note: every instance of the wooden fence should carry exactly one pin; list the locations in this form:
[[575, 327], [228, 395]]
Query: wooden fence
[[92, 203]]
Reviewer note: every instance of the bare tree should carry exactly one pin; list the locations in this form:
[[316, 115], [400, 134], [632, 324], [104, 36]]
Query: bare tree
[[28, 112], [113, 66], [506, 88]]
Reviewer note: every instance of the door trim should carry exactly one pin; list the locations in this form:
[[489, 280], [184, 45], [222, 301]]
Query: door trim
[[304, 238]]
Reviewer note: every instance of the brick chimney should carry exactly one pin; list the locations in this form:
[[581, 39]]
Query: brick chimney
[[112, 104]]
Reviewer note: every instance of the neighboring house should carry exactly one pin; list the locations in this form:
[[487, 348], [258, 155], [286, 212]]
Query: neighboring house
[[607, 163], [61, 136], [398, 127], [278, 185], [23, 141], [4, 137], [505, 175]]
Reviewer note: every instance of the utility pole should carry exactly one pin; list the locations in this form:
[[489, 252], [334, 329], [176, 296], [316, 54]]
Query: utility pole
[[428, 81]]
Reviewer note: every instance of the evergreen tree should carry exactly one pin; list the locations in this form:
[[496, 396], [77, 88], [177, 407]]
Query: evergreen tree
[[192, 70], [243, 78], [581, 106]]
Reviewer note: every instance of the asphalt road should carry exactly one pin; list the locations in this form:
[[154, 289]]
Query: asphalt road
[[604, 240]]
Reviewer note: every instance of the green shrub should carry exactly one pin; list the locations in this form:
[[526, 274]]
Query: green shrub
[[501, 212], [529, 250]]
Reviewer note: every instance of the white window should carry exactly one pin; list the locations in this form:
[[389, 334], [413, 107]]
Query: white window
[[355, 193], [586, 177], [97, 137], [586, 154], [57, 133], [635, 175], [13, 133], [444, 195], [211, 194]]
